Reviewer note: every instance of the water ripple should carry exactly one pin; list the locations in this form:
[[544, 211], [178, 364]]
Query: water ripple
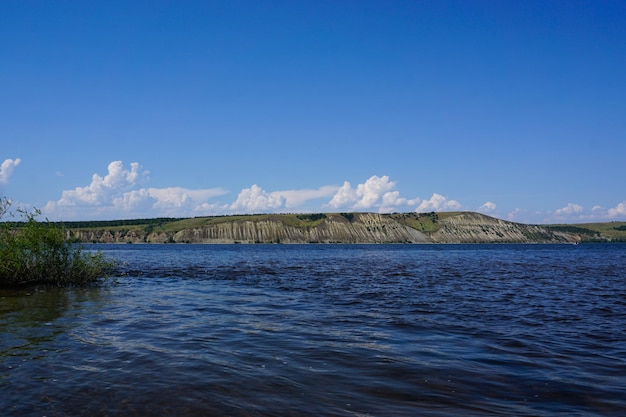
[[361, 330]]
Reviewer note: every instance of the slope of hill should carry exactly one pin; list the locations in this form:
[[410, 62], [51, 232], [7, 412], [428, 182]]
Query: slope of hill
[[454, 227], [594, 232]]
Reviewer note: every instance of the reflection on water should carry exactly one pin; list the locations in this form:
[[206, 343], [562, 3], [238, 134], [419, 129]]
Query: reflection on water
[[325, 330], [27, 319]]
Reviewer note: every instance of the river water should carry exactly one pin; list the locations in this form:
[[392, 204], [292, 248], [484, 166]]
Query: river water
[[324, 330]]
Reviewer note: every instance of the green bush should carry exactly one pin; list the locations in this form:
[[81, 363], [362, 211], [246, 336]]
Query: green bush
[[312, 217], [349, 216], [34, 252]]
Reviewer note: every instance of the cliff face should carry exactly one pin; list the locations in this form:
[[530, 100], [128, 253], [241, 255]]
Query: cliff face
[[478, 228], [336, 228], [364, 228]]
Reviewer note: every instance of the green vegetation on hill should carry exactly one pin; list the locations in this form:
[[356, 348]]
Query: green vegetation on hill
[[424, 222], [594, 232], [95, 224]]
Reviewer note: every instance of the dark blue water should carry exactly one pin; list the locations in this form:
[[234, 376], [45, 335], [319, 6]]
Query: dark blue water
[[332, 330]]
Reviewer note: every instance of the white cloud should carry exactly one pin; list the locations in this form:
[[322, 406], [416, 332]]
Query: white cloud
[[209, 209], [619, 210], [570, 209], [370, 192], [515, 215], [345, 196], [525, 216], [487, 207], [6, 169], [391, 200], [257, 200], [379, 193], [295, 198], [119, 194], [373, 192], [178, 197], [170, 200], [133, 200], [103, 190], [572, 212], [437, 203], [575, 213]]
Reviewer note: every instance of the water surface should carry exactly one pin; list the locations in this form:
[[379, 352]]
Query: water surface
[[333, 330]]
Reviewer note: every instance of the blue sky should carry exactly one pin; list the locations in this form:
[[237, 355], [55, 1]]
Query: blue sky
[[126, 109]]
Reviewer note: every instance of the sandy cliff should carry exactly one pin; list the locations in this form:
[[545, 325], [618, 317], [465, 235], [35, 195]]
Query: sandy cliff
[[478, 228], [365, 228], [463, 227]]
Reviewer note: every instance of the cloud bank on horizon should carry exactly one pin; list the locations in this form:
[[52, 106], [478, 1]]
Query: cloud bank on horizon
[[122, 193]]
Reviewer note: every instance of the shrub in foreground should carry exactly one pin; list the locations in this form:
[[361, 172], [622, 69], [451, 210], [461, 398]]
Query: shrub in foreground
[[37, 252]]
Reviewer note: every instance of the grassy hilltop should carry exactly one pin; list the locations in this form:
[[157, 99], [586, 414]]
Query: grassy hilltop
[[595, 232]]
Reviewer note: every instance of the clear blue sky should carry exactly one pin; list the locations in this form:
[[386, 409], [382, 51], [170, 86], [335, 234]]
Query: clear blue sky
[[125, 109]]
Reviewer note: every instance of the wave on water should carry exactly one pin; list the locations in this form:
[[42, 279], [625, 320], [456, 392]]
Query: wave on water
[[334, 330]]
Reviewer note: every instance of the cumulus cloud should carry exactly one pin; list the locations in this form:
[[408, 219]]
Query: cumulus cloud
[[572, 212], [6, 169], [571, 208], [257, 200], [374, 192], [576, 213], [437, 202], [391, 201], [119, 194], [103, 189], [364, 196], [179, 197], [345, 197], [379, 193], [619, 210], [169, 201], [133, 200], [295, 198], [487, 207]]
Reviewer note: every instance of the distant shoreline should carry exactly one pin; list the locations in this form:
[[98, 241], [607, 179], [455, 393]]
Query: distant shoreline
[[339, 228]]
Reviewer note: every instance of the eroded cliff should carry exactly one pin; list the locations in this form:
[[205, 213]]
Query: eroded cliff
[[462, 227], [478, 228]]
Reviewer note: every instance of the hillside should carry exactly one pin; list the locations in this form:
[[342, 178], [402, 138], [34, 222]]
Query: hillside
[[453, 227], [594, 232]]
